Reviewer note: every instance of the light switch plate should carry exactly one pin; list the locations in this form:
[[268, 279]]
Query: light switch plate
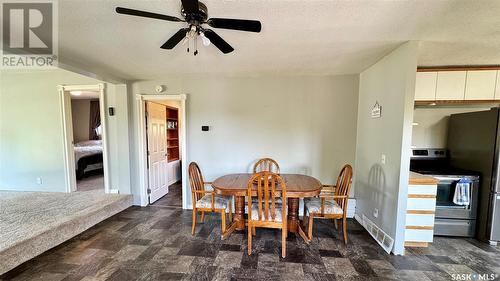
[[383, 159], [375, 212]]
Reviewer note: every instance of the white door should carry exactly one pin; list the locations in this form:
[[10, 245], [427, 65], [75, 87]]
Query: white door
[[157, 151]]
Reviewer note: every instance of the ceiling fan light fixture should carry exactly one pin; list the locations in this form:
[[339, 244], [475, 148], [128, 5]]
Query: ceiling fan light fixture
[[193, 31], [195, 14], [206, 42]]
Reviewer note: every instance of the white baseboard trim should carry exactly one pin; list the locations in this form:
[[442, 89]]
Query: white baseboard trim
[[382, 238], [351, 207]]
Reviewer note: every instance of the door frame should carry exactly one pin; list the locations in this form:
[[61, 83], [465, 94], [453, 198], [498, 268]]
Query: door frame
[[67, 124], [142, 143]]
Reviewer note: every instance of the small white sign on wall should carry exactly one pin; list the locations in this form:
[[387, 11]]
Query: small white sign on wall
[[376, 110]]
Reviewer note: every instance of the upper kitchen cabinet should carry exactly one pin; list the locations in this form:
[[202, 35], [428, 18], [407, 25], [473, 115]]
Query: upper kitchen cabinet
[[497, 87], [480, 85], [450, 85], [425, 86]]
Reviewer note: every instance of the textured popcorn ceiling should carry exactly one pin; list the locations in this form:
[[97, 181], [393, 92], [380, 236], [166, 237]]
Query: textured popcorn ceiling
[[298, 37]]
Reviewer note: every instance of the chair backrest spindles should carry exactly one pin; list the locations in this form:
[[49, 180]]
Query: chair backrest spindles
[[196, 180], [267, 187], [343, 185], [266, 165]]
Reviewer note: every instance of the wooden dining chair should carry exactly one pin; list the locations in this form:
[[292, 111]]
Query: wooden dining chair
[[207, 200], [265, 212], [266, 165], [331, 203]]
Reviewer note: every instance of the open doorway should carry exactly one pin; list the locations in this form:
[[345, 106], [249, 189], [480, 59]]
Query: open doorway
[[162, 149], [84, 137], [164, 157]]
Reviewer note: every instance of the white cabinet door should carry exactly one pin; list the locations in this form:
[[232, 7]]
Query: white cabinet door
[[480, 85], [497, 87], [450, 85], [171, 172], [425, 86], [177, 171]]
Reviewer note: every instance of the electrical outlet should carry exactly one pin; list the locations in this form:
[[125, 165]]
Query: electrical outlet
[[39, 180], [382, 159], [375, 213]]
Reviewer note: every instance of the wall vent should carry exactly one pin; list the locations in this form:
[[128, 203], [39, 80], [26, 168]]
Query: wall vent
[[378, 234]]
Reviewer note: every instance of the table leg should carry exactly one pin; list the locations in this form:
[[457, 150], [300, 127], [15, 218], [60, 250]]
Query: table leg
[[293, 214], [293, 218], [239, 212], [238, 222]]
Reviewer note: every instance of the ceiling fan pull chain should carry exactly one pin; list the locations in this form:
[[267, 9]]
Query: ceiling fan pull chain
[[195, 44]]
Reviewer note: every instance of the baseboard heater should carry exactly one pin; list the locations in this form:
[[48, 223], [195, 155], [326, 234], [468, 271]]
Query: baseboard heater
[[384, 240]]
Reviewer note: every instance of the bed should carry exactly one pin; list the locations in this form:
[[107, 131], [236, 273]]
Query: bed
[[88, 157]]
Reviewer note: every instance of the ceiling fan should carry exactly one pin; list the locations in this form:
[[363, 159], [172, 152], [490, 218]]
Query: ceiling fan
[[195, 14]]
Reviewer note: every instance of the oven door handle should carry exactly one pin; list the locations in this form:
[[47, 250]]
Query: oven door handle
[[448, 179]]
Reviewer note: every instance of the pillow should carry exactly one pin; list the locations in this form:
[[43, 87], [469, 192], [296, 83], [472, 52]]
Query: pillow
[[89, 143]]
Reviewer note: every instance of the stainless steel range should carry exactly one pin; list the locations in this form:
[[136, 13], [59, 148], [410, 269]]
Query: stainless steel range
[[451, 219]]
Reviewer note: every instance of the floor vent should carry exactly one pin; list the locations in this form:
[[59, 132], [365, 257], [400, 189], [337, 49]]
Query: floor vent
[[378, 234]]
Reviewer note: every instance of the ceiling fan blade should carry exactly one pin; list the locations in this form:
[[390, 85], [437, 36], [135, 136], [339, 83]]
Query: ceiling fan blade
[[236, 24], [218, 41], [144, 14], [190, 6], [175, 39]]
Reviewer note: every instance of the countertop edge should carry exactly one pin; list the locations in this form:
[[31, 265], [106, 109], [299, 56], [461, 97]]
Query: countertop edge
[[419, 179]]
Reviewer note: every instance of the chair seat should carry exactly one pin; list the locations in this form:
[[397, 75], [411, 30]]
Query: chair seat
[[220, 202], [255, 214], [313, 205]]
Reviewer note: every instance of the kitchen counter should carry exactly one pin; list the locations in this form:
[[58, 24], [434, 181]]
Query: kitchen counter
[[416, 178], [421, 209]]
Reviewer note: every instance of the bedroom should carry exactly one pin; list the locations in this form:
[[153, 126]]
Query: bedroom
[[87, 140]]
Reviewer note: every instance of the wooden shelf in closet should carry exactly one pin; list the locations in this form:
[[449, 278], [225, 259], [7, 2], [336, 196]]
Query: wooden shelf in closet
[[172, 134]]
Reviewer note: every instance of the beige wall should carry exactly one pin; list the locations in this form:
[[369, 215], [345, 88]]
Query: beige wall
[[306, 123], [432, 128], [391, 83], [80, 113], [31, 133]]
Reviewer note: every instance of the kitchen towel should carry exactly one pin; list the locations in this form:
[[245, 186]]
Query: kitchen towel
[[462, 192]]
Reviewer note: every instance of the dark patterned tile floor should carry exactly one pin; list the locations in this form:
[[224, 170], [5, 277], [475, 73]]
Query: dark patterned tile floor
[[173, 197], [155, 243]]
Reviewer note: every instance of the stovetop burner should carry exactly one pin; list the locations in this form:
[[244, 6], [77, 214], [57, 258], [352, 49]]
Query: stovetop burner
[[448, 171], [435, 162]]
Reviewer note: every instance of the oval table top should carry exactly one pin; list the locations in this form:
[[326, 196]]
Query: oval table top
[[297, 185]]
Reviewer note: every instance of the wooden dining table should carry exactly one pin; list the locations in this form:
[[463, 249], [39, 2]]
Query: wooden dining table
[[297, 186]]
